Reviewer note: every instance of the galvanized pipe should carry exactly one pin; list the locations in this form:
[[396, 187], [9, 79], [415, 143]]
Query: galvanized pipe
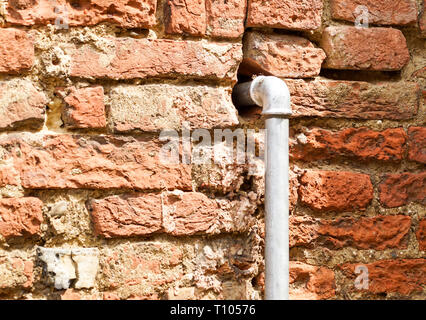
[[272, 94]]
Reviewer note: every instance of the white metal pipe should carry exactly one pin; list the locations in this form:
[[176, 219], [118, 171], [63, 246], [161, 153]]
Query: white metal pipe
[[272, 94], [276, 210]]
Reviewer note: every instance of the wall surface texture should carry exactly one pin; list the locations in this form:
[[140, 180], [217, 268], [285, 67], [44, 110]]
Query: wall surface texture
[[88, 208]]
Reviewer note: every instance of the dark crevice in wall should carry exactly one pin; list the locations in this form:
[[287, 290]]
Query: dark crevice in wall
[[360, 75], [246, 72]]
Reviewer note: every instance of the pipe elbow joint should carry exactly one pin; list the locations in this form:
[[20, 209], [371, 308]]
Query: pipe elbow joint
[[272, 94]]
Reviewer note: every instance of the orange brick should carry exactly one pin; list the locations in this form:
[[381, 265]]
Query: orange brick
[[381, 12], [85, 108], [335, 190], [397, 190], [351, 48], [360, 143], [417, 144], [16, 51], [124, 13], [285, 14], [20, 217], [404, 276]]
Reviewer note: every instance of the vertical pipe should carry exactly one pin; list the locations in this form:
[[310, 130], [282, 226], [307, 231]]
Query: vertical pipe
[[276, 209], [273, 95]]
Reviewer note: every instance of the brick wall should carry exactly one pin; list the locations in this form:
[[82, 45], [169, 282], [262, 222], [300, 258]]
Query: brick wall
[[89, 210]]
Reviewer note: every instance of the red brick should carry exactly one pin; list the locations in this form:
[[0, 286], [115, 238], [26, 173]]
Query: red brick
[[382, 12], [85, 108], [176, 213], [335, 190], [285, 14], [225, 18], [421, 235], [21, 105], [20, 217], [405, 276], [379, 233], [215, 18], [361, 143], [379, 49], [9, 175], [186, 17], [88, 162], [353, 99], [281, 56], [16, 271], [400, 189], [132, 215], [154, 107], [125, 13], [311, 282], [16, 51], [161, 58], [417, 144]]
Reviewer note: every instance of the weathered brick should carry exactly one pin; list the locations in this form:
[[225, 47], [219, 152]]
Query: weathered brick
[[421, 235], [21, 105], [131, 215], [20, 217], [125, 13], [85, 108], [219, 19], [400, 189], [379, 233], [361, 143], [382, 12], [155, 107], [16, 51], [404, 276], [335, 190], [310, 282], [16, 270], [189, 213], [9, 175], [285, 14], [129, 58], [353, 99], [225, 18], [101, 162], [379, 49], [281, 56], [417, 144], [186, 17], [176, 213]]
